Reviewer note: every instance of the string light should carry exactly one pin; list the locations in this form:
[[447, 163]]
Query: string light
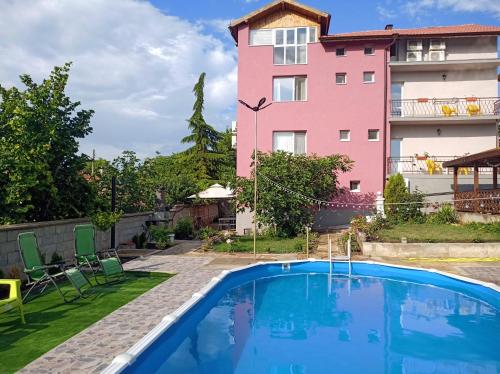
[[334, 204]]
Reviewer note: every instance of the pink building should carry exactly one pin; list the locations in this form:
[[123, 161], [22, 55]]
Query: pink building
[[332, 93]]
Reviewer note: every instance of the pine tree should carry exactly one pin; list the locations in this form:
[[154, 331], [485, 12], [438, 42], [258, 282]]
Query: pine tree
[[203, 153]]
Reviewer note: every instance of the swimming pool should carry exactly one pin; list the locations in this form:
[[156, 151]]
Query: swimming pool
[[275, 318]]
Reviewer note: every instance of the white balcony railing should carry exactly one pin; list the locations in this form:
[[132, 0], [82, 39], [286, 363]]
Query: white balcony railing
[[446, 107]]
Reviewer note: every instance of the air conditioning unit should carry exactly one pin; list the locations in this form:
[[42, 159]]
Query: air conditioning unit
[[437, 56], [437, 44], [413, 56], [414, 45]]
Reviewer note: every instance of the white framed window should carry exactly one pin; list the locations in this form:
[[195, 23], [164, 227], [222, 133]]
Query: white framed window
[[345, 135], [290, 45], [414, 45], [339, 52], [373, 135], [261, 37], [369, 51], [290, 141], [355, 186], [368, 77], [341, 78], [289, 89], [437, 44]]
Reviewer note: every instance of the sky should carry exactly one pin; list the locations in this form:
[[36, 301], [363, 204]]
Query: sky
[[135, 61]]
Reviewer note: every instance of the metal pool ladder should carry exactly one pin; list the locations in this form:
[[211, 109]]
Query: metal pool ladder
[[346, 258]]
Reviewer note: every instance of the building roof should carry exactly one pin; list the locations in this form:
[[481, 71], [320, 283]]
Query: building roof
[[322, 17], [488, 158], [435, 31], [215, 191]]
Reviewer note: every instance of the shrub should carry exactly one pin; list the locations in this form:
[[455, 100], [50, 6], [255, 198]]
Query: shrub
[[493, 227], [297, 247], [370, 229], [105, 220], [161, 236], [445, 215], [207, 232], [139, 240], [401, 205], [184, 229]]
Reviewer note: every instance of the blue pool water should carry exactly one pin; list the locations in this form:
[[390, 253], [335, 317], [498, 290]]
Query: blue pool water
[[379, 320]]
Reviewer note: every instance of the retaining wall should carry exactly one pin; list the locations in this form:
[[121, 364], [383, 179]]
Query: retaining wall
[[57, 236], [411, 250]]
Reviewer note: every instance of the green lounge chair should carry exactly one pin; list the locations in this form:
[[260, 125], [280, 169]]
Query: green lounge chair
[[87, 255], [39, 274]]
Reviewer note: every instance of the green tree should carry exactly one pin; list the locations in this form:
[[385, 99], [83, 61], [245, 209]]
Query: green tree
[[226, 164], [203, 153], [400, 204], [40, 171], [309, 176]]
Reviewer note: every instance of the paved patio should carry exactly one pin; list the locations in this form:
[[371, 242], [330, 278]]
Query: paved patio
[[94, 348]]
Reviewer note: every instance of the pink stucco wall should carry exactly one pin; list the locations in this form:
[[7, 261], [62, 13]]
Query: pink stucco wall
[[328, 109]]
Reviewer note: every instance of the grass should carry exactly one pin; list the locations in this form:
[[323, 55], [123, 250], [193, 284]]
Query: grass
[[50, 321], [439, 233], [265, 244]]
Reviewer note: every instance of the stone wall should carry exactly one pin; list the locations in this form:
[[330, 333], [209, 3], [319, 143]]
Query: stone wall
[[412, 250], [57, 236]]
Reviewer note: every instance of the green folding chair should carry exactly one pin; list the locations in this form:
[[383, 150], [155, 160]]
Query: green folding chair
[[86, 255], [40, 275]]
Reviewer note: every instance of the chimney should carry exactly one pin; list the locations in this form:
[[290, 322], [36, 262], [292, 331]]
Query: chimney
[[389, 26]]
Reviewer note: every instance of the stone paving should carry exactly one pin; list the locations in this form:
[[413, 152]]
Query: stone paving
[[94, 348]]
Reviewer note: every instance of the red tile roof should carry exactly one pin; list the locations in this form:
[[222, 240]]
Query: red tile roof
[[458, 30]]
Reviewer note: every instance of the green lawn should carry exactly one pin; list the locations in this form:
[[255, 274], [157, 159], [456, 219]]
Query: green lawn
[[265, 244], [50, 321], [440, 233]]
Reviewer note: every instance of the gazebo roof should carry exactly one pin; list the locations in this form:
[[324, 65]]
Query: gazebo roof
[[489, 158], [215, 191]]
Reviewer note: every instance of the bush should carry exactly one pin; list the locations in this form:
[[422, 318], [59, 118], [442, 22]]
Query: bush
[[493, 228], [139, 240], [105, 220], [207, 232], [344, 238], [184, 229], [161, 236], [401, 205], [370, 229], [445, 215]]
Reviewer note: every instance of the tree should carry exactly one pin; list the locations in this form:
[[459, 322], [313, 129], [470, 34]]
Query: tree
[[40, 171], [226, 164], [306, 176], [400, 204], [203, 153]]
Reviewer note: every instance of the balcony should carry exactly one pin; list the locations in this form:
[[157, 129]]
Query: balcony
[[454, 110], [469, 64], [431, 165]]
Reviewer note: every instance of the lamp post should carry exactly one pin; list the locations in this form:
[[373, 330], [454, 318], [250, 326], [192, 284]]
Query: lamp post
[[260, 106]]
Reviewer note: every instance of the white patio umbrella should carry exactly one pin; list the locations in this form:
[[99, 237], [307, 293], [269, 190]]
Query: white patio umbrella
[[215, 191]]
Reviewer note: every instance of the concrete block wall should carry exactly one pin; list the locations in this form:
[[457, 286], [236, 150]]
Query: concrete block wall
[[57, 236]]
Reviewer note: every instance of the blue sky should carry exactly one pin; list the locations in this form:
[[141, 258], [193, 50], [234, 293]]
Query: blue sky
[[135, 62]]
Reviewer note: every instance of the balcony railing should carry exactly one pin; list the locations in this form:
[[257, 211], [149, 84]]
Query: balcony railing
[[446, 108], [431, 165]]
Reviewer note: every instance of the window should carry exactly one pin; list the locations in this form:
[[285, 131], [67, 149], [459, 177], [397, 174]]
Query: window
[[290, 89], [290, 45], [340, 52], [355, 186], [261, 37], [345, 135], [288, 141], [368, 77], [373, 135], [369, 51], [341, 78]]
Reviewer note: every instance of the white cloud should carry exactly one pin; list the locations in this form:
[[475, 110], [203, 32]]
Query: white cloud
[[385, 13], [418, 7], [133, 64]]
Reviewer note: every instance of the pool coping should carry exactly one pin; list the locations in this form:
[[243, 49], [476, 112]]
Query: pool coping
[[125, 359]]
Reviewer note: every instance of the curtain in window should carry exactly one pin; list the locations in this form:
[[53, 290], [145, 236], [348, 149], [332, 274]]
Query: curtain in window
[[261, 37], [300, 143], [300, 88], [283, 141]]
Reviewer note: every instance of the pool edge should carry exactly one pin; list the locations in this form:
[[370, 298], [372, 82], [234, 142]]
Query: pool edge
[[123, 360]]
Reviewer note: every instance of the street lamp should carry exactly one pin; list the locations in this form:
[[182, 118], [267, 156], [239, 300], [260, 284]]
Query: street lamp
[[260, 106]]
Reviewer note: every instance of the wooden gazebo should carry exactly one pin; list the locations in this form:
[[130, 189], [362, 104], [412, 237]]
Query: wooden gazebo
[[480, 201]]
